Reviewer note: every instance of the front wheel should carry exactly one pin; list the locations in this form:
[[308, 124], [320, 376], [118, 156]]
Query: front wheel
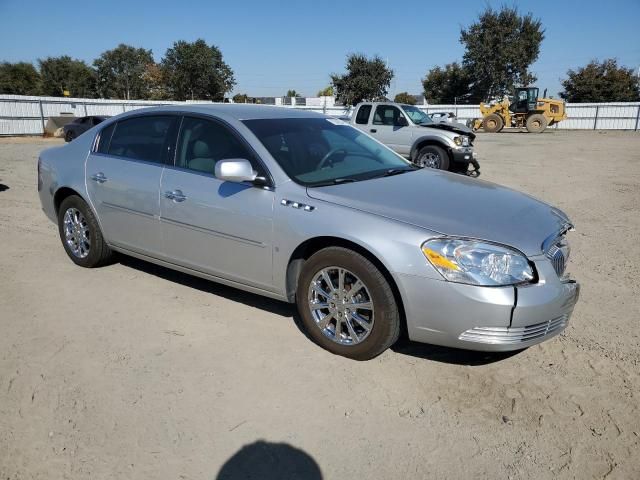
[[432, 156], [346, 304], [80, 234]]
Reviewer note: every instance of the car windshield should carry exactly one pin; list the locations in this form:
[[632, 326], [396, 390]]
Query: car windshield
[[416, 115], [323, 151]]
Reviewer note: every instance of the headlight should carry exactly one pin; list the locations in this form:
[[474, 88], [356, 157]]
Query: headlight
[[462, 141], [477, 263]]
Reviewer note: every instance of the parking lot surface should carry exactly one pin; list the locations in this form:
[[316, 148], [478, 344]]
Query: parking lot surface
[[135, 371]]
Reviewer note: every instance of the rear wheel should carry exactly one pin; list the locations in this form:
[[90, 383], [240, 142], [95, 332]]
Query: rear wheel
[[347, 305], [492, 123], [80, 234], [536, 123], [69, 136], [432, 156]]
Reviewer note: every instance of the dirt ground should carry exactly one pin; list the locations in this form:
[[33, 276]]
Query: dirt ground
[[134, 371]]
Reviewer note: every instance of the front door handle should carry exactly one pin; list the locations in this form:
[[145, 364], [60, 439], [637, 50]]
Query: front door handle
[[99, 177], [175, 195], [373, 130]]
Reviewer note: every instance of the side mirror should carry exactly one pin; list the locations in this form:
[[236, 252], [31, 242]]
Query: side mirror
[[401, 122], [235, 170]]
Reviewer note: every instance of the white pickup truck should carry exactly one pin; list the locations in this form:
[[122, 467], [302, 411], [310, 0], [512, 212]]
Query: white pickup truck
[[411, 133]]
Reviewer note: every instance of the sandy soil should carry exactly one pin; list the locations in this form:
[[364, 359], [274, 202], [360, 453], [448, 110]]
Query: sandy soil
[[134, 371]]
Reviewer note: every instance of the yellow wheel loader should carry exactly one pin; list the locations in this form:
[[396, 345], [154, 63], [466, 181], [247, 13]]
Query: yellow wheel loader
[[526, 110]]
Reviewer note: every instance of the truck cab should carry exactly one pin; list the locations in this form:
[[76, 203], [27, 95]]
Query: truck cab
[[413, 134]]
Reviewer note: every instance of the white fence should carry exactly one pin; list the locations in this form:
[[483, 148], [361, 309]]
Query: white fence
[[22, 115]]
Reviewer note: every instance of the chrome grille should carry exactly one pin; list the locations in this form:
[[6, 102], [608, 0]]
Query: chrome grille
[[558, 253], [508, 336]]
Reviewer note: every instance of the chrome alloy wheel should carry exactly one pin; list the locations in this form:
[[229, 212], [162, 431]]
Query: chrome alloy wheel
[[430, 160], [76, 233], [341, 305]]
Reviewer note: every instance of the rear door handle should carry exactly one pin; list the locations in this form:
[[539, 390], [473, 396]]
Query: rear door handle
[[99, 177], [175, 195], [373, 130]]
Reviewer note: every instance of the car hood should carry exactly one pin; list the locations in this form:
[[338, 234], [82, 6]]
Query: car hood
[[452, 204], [452, 127]]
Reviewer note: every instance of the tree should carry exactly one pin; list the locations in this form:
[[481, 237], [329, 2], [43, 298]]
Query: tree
[[500, 48], [197, 71], [292, 93], [154, 82], [326, 92], [366, 79], [601, 82], [64, 74], [404, 97], [121, 72], [19, 79], [446, 85], [241, 98]]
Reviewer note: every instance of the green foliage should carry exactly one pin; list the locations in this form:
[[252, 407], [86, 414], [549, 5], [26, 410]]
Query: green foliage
[[326, 92], [197, 71], [500, 48], [447, 85], [601, 82], [64, 73], [366, 79], [154, 82], [404, 97], [292, 93], [241, 98], [19, 79], [121, 72]]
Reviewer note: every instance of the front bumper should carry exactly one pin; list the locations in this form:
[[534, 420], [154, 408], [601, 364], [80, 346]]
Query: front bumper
[[488, 318], [463, 155]]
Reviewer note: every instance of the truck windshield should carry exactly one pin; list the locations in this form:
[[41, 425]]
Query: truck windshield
[[416, 115], [321, 151]]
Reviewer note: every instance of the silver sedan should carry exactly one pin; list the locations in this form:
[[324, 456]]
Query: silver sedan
[[304, 208]]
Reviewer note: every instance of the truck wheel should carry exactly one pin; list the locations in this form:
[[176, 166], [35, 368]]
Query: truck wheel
[[346, 304], [536, 123], [492, 123], [432, 156]]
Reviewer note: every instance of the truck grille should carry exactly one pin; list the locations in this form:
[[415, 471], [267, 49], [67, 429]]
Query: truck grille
[[509, 336]]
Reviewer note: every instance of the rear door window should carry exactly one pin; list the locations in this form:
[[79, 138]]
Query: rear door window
[[362, 117], [145, 138], [105, 138]]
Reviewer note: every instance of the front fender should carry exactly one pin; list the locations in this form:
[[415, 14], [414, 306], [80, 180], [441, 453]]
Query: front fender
[[432, 140]]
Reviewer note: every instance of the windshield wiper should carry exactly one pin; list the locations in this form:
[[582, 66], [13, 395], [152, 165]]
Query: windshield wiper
[[394, 171], [335, 181]]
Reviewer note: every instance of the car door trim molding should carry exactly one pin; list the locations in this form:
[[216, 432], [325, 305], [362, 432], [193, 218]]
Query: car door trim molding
[[128, 210], [214, 233]]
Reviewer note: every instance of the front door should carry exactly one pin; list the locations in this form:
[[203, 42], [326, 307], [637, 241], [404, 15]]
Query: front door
[[123, 181], [387, 128], [220, 228]]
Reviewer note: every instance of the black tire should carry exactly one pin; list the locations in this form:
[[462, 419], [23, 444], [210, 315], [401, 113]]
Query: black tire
[[386, 319], [536, 123], [442, 161], [99, 252], [69, 136], [492, 123]]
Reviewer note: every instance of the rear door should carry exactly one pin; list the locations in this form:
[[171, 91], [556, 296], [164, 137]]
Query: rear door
[[385, 127], [123, 180], [220, 228]]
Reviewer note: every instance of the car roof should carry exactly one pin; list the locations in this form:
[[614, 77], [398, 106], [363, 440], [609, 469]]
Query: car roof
[[237, 111]]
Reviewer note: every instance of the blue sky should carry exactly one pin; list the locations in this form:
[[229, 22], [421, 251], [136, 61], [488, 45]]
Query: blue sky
[[275, 46]]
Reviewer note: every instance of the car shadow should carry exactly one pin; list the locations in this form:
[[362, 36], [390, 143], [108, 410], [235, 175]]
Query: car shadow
[[403, 346], [3, 187], [453, 356], [270, 461]]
